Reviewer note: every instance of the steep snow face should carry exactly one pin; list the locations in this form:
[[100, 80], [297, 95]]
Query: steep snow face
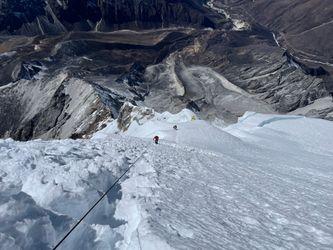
[[264, 183], [190, 130]]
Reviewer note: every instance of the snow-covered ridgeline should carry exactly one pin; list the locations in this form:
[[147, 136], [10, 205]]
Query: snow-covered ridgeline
[[265, 182]]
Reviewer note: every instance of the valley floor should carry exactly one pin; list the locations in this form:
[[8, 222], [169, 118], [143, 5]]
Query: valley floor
[[263, 183]]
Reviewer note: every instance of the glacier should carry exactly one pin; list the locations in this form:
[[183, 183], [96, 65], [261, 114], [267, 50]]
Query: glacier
[[265, 182]]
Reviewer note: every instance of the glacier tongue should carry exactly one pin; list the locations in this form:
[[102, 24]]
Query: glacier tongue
[[265, 182]]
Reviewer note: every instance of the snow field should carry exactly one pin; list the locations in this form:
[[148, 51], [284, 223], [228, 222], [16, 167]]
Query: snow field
[[263, 183]]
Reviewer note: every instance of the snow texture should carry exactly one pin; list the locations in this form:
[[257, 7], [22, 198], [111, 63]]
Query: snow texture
[[263, 183]]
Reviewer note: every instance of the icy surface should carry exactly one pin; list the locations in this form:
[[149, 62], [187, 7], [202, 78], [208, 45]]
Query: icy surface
[[265, 182]]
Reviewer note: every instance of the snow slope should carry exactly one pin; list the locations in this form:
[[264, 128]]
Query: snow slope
[[263, 183]]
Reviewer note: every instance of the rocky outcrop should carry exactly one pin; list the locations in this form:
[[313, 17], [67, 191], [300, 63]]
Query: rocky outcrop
[[135, 81], [57, 107], [130, 113], [313, 71]]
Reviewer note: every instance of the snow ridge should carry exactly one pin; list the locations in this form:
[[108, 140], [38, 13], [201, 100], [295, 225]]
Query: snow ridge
[[258, 184]]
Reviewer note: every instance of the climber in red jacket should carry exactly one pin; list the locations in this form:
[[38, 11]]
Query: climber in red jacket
[[155, 139]]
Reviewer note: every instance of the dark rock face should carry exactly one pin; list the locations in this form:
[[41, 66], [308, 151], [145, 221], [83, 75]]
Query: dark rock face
[[15, 13], [134, 80], [134, 77], [264, 71], [45, 120], [304, 27], [318, 71], [32, 109], [77, 10], [25, 17], [150, 14], [56, 16], [29, 70]]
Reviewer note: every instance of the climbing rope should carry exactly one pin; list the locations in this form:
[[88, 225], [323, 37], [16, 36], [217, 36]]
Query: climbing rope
[[96, 203]]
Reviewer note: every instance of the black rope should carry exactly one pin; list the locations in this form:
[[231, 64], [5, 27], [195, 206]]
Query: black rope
[[96, 203]]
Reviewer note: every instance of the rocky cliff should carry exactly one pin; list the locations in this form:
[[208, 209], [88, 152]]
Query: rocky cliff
[[55, 16]]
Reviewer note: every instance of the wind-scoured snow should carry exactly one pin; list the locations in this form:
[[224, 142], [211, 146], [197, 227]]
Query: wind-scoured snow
[[263, 183]]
